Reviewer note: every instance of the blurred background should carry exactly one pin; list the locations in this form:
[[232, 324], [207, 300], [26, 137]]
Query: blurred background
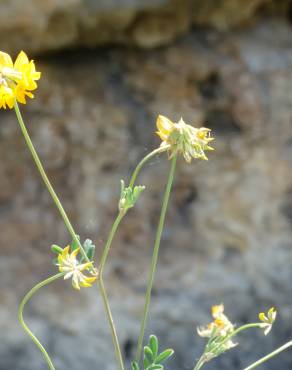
[[108, 68]]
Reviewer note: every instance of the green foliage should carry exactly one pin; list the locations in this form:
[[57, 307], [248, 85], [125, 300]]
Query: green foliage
[[56, 249], [74, 243], [129, 196], [152, 358], [89, 249], [88, 246]]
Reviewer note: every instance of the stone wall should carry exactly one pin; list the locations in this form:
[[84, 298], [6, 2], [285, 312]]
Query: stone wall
[[228, 233], [50, 25]]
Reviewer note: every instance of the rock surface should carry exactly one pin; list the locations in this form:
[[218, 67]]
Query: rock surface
[[228, 233], [48, 25]]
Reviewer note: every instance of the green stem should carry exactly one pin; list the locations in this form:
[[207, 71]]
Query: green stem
[[103, 291], [155, 257], [105, 256], [241, 328], [47, 181], [22, 322], [199, 365], [143, 161], [269, 356]]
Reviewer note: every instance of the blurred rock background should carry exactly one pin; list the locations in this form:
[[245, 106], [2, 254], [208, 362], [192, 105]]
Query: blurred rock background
[[108, 68]]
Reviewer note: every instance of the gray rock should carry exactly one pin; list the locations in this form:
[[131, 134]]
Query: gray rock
[[228, 230]]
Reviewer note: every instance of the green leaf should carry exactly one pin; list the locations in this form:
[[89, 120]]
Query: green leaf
[[129, 196], [135, 366], [74, 244], [56, 249], [89, 248], [148, 357], [155, 367], [153, 344], [164, 355]]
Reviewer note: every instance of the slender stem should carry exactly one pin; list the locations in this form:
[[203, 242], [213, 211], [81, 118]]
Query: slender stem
[[155, 257], [269, 356], [47, 181], [105, 255], [143, 161], [103, 291], [22, 322], [108, 243], [241, 328], [199, 364]]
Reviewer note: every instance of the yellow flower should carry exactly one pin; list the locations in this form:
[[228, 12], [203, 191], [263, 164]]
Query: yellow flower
[[184, 139], [69, 264], [268, 320], [6, 96], [16, 80]]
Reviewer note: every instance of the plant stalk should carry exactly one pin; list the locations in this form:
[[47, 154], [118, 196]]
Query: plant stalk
[[269, 356], [155, 257], [105, 256], [26, 298], [143, 161], [47, 181], [104, 294]]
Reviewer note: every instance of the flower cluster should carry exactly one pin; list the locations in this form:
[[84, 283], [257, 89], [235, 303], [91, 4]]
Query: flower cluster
[[68, 263], [184, 139], [268, 320], [17, 80], [220, 327], [221, 331]]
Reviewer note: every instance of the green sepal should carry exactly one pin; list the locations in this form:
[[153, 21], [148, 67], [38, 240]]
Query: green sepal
[[164, 355], [55, 261], [56, 249]]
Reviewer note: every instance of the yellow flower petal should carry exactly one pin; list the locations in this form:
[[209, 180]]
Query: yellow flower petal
[[164, 125], [21, 60], [5, 60]]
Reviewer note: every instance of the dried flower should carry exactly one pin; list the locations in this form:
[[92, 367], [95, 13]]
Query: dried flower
[[69, 264], [268, 320], [16, 80], [219, 331], [181, 138], [220, 326]]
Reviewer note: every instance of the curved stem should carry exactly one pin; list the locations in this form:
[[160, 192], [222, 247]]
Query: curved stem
[[155, 257], [269, 356], [242, 328], [26, 298], [105, 255], [103, 291], [47, 181], [143, 161]]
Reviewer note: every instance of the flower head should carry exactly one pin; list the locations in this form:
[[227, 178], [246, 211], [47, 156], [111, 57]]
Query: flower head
[[178, 137], [69, 264], [17, 80], [220, 331], [220, 326], [268, 320]]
